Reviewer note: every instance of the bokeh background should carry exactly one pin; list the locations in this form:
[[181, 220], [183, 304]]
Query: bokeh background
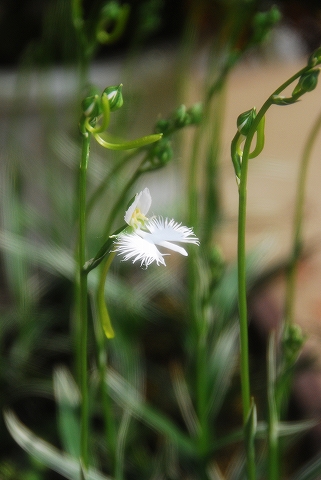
[[22, 22]]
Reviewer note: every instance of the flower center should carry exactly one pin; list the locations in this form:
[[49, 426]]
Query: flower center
[[138, 219]]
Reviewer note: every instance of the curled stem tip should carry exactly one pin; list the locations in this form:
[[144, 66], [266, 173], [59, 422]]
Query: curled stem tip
[[101, 302]]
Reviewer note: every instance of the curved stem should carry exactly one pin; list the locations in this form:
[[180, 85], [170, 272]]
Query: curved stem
[[102, 362], [128, 145], [241, 260], [104, 327], [105, 118], [101, 303], [242, 301]]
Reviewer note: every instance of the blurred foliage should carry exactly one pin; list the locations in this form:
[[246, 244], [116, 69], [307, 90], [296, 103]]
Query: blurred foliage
[[23, 21]]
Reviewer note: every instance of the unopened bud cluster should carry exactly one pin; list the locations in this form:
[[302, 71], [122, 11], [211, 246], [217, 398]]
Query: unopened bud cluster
[[217, 264], [315, 58], [180, 118], [110, 11], [293, 341], [263, 23], [160, 154], [92, 105], [307, 82], [112, 20]]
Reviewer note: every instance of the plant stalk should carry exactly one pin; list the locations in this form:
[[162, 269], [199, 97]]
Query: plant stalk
[[83, 301], [241, 260]]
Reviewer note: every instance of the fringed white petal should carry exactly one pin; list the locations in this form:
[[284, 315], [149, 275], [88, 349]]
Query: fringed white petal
[[165, 230], [174, 247], [134, 247], [140, 245]]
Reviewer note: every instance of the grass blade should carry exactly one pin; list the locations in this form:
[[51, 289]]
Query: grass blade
[[58, 461]]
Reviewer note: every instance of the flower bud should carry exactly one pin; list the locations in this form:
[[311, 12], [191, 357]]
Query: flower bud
[[91, 106], [180, 117], [263, 22], [115, 97], [315, 58], [245, 120], [110, 11], [217, 265], [196, 113], [112, 21], [307, 82], [162, 126], [163, 152], [293, 340], [159, 156]]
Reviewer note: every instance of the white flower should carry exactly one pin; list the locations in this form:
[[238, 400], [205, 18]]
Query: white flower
[[135, 215], [140, 243]]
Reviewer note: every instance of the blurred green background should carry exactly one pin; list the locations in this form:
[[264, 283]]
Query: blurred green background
[[21, 22]]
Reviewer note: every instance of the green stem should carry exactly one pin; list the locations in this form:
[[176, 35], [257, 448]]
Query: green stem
[[110, 428], [83, 301], [241, 259], [273, 441], [101, 303], [104, 329], [128, 145], [242, 300], [202, 390], [297, 222]]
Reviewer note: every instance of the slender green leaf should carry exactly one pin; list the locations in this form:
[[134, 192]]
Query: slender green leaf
[[51, 257], [45, 453], [221, 366], [130, 399], [184, 401], [68, 400], [120, 447], [286, 429]]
